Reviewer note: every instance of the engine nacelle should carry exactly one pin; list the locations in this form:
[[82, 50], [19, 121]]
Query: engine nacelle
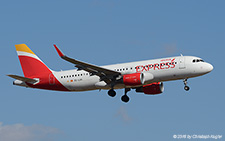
[[133, 79], [136, 79], [151, 89]]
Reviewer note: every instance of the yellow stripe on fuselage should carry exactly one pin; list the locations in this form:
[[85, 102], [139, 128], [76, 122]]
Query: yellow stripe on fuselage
[[24, 48]]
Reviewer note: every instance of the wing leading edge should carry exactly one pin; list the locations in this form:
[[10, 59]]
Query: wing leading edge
[[105, 74]]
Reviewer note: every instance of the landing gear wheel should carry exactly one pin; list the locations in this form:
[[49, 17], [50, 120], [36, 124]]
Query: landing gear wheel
[[185, 83], [187, 88], [111, 93], [125, 98]]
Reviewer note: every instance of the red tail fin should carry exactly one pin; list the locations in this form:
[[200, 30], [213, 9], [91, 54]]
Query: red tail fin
[[32, 66]]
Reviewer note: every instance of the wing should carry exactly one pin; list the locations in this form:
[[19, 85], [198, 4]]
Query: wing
[[104, 73]]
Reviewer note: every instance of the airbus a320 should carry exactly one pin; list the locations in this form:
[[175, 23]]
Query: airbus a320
[[143, 76]]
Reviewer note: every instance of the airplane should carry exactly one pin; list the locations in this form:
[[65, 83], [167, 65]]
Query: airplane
[[144, 76]]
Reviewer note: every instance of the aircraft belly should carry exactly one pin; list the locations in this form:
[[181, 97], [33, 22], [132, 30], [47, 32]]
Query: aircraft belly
[[83, 85]]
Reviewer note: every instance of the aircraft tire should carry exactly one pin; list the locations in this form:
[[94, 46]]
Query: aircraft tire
[[111, 93], [187, 88], [125, 98]]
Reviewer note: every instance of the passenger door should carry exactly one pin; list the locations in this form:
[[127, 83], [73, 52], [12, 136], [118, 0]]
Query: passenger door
[[182, 63]]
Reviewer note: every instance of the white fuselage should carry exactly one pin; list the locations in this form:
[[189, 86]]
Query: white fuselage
[[165, 69]]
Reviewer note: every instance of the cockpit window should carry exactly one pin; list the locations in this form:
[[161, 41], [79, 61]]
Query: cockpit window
[[197, 60]]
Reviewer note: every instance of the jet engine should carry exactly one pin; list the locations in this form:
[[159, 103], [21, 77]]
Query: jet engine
[[136, 79], [151, 89]]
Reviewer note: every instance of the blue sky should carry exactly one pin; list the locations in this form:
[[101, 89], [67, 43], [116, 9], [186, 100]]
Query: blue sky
[[107, 32]]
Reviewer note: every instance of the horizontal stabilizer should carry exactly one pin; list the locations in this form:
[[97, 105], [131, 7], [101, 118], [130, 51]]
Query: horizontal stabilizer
[[24, 79]]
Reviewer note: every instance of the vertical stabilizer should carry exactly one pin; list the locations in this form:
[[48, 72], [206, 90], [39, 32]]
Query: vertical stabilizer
[[32, 66]]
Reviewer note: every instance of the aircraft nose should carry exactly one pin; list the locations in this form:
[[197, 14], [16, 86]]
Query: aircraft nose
[[209, 67]]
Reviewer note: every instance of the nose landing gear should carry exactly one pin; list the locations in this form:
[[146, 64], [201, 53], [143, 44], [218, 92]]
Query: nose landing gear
[[187, 88]]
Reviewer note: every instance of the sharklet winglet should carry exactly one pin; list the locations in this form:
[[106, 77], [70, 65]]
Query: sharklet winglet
[[58, 51]]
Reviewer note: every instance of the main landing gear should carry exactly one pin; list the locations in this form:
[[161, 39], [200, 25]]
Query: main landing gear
[[185, 83], [124, 98], [111, 93]]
